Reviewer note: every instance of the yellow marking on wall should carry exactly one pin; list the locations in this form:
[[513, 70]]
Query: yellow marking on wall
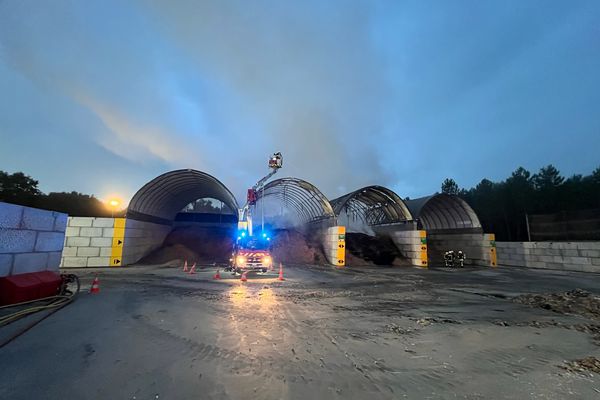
[[493, 251], [341, 247], [423, 252], [116, 256]]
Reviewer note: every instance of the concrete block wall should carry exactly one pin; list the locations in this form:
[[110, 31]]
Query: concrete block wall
[[412, 245], [334, 245], [88, 242], [479, 248], [31, 239], [93, 242], [142, 238], [569, 256]]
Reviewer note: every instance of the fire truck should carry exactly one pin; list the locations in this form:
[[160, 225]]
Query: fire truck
[[253, 252]]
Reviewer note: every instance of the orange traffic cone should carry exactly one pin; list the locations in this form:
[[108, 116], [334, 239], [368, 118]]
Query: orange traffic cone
[[244, 278], [217, 275], [95, 286], [193, 269], [281, 278], [185, 268]]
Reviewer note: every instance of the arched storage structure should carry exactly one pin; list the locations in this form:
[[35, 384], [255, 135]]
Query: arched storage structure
[[152, 210], [163, 197], [451, 224], [373, 205], [303, 198], [443, 212]]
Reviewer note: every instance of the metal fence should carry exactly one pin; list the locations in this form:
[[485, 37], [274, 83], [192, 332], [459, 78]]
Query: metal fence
[[566, 225]]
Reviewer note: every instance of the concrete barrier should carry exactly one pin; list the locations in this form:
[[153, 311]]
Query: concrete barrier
[[412, 245], [89, 242], [109, 242], [569, 256], [334, 245], [142, 238], [479, 248], [31, 240]]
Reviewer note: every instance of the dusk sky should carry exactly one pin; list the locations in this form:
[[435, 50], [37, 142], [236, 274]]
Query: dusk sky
[[102, 96]]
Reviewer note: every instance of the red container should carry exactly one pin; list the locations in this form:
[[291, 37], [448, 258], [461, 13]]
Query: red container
[[49, 283], [30, 286]]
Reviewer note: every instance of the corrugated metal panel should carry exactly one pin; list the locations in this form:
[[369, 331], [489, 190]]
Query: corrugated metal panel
[[375, 205], [166, 195], [443, 211], [301, 196]]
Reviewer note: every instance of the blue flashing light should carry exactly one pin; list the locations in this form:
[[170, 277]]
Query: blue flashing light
[[239, 237], [243, 234], [264, 235], [268, 238]]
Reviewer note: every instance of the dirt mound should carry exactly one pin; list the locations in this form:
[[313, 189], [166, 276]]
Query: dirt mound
[[166, 254], [575, 301], [291, 246], [196, 244], [370, 250]]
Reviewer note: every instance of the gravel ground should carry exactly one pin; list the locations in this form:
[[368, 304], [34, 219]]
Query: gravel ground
[[377, 333]]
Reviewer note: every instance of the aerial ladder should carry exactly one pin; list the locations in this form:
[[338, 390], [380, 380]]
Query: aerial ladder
[[245, 216]]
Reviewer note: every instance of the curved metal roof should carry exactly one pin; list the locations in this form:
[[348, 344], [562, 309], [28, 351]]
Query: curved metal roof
[[303, 197], [166, 195], [375, 205], [443, 211]]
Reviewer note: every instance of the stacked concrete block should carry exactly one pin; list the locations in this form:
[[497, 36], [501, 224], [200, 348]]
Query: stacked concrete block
[[479, 248], [31, 240], [142, 238], [334, 244], [88, 242], [412, 245], [570, 256]]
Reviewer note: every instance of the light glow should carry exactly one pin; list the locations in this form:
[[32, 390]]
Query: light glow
[[240, 261]]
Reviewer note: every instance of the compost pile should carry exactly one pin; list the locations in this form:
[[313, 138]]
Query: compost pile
[[292, 246], [577, 301], [369, 250], [194, 244]]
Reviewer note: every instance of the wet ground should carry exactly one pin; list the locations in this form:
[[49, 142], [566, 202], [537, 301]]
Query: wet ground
[[376, 333]]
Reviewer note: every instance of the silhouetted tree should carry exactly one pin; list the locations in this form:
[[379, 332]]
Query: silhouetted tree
[[502, 206], [18, 188], [548, 177], [211, 206], [449, 186], [76, 204], [547, 183]]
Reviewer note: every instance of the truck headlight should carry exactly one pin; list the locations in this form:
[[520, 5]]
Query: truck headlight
[[267, 261], [240, 261]]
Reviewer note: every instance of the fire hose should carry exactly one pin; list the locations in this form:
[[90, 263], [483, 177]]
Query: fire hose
[[52, 303]]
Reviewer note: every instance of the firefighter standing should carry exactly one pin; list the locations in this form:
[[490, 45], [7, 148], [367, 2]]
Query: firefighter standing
[[460, 257], [449, 258]]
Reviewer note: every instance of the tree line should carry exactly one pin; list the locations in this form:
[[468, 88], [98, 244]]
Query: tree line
[[502, 206], [18, 188]]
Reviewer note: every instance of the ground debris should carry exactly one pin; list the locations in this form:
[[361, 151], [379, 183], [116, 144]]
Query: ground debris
[[576, 301], [588, 364], [398, 329], [431, 320], [591, 329]]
